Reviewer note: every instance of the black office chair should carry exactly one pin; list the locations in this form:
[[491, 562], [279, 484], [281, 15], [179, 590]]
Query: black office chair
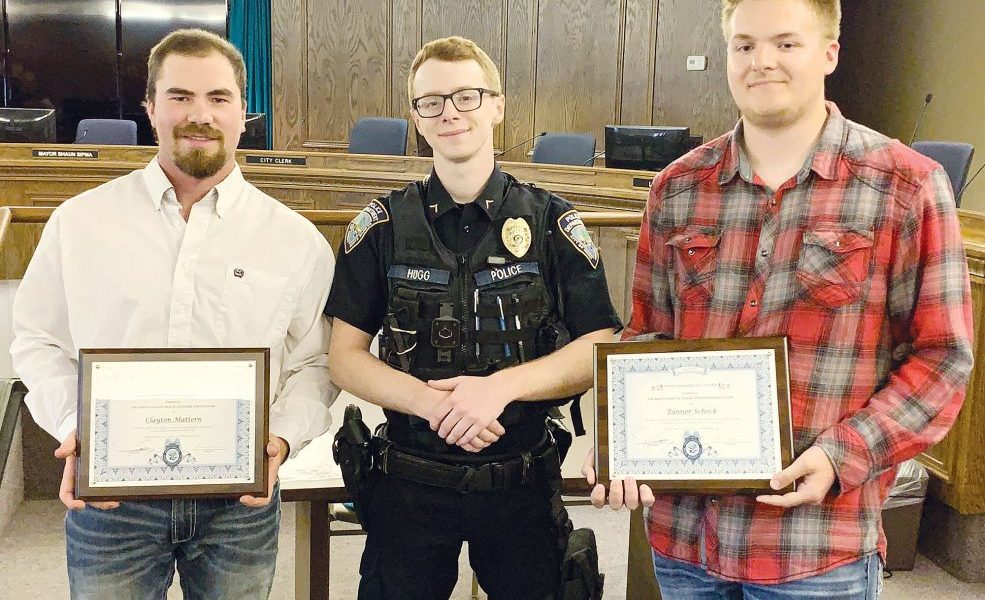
[[111, 132], [565, 149], [955, 157], [379, 135]]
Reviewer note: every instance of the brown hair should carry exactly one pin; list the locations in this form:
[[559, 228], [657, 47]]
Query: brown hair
[[828, 13], [454, 49], [193, 42]]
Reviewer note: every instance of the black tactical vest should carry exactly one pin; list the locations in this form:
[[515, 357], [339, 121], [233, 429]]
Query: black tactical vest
[[472, 313]]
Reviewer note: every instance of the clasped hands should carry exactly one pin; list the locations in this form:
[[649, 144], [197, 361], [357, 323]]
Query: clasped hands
[[464, 411]]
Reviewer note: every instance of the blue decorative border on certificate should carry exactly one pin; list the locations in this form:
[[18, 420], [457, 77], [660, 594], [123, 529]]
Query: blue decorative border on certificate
[[694, 462], [102, 472]]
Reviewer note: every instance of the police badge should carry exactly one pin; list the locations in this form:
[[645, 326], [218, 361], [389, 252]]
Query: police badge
[[516, 236]]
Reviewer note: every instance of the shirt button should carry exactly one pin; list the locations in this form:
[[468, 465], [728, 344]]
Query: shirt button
[[690, 252], [764, 253], [753, 303], [713, 500], [773, 202], [465, 229]]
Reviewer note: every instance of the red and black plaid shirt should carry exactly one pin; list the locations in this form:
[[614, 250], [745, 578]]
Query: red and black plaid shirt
[[858, 261]]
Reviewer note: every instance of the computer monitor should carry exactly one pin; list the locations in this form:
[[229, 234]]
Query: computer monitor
[[644, 147], [27, 125], [255, 136]]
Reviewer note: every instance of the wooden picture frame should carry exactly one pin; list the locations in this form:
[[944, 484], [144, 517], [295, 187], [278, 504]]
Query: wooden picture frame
[[172, 422], [668, 364]]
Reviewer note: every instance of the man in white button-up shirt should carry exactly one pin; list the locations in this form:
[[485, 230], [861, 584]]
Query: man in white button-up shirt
[[183, 253]]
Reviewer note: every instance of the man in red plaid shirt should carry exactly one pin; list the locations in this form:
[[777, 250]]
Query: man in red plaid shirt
[[801, 223]]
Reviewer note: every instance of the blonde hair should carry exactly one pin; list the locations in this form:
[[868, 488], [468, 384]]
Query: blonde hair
[[193, 42], [454, 49], [828, 14]]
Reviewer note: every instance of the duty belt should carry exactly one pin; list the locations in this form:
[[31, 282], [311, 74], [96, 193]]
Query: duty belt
[[535, 465]]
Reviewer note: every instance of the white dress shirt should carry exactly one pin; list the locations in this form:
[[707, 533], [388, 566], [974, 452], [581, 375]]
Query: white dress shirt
[[118, 267]]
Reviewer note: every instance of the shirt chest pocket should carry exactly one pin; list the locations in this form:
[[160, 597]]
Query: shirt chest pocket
[[834, 264], [255, 308], [695, 256]]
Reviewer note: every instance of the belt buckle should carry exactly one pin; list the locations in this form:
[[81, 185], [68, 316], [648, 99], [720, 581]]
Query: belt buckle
[[470, 476]]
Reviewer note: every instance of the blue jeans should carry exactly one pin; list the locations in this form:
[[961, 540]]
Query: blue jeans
[[222, 548], [859, 580]]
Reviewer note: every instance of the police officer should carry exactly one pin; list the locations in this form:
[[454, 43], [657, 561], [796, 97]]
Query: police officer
[[490, 294]]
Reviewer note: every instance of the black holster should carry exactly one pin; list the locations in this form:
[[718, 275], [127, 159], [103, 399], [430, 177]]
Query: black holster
[[580, 577], [353, 450]]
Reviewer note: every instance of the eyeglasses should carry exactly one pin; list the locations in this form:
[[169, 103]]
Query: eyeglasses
[[464, 100]]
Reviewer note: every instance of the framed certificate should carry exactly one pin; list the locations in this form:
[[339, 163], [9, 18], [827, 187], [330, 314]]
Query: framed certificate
[[163, 423], [698, 417]]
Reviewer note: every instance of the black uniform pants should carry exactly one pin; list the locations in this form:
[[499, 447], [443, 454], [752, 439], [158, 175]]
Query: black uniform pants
[[417, 531]]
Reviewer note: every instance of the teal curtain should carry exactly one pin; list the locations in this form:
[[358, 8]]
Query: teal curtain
[[249, 30]]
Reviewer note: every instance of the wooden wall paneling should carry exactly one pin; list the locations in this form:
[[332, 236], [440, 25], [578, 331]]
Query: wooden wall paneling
[[698, 99], [348, 68], [577, 64], [289, 51], [638, 63], [404, 43], [567, 65], [520, 76]]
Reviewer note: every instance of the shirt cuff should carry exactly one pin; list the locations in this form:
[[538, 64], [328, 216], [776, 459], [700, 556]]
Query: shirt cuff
[[849, 455], [69, 424], [289, 433]]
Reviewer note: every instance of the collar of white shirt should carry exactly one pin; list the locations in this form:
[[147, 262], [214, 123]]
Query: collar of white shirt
[[227, 191]]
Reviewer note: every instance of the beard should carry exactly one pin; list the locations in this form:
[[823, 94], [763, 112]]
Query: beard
[[198, 162]]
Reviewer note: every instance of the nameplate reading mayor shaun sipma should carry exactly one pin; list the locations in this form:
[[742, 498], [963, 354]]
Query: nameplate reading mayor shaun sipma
[[294, 161], [72, 154]]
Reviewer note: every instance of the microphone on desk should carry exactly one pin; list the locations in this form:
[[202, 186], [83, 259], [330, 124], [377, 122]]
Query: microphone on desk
[[926, 103], [592, 159], [957, 195], [514, 146]]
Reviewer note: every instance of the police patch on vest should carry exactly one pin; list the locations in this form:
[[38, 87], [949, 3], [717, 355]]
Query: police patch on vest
[[516, 236], [574, 229], [372, 215], [419, 274], [483, 278]]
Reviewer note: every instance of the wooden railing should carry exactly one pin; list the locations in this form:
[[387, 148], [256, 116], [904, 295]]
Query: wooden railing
[[11, 398], [10, 215]]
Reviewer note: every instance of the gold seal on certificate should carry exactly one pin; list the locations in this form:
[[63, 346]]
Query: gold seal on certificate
[[698, 417], [164, 423]]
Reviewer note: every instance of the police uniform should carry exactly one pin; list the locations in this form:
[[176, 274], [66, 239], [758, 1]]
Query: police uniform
[[467, 289]]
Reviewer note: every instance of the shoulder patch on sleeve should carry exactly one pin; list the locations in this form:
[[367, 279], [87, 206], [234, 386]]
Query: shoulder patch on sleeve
[[374, 214], [575, 231]]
